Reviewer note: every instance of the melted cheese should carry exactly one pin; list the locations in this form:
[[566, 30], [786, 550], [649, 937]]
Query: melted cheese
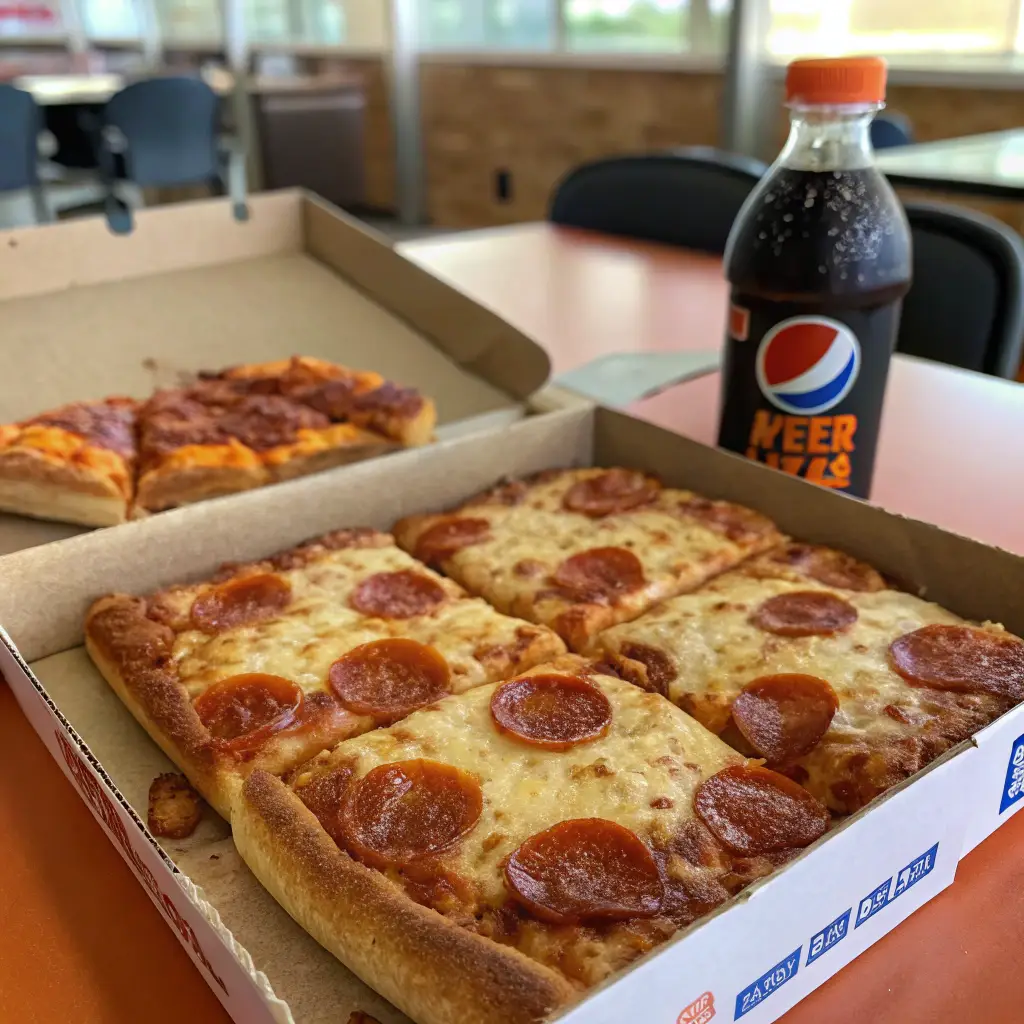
[[715, 650], [318, 626], [512, 568], [651, 750]]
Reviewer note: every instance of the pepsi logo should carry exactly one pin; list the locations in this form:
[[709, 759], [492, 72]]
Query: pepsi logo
[[807, 365]]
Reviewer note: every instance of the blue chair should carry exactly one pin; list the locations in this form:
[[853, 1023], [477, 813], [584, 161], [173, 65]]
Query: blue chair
[[892, 129], [158, 133], [21, 124], [966, 305], [687, 197]]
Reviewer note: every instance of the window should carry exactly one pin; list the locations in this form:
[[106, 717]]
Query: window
[[487, 24], [111, 19], [188, 21], [836, 27], [632, 26]]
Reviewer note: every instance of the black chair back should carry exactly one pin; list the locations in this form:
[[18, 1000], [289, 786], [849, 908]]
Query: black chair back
[[891, 129], [169, 127], [687, 197], [20, 125], [966, 305]]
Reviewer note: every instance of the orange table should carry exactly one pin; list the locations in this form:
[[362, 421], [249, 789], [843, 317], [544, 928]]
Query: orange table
[[80, 941]]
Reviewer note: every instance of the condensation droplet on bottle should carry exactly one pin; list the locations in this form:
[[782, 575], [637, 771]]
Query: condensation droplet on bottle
[[787, 217], [762, 235], [822, 269]]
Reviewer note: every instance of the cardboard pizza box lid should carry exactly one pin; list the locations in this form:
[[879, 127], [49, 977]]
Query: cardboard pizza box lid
[[85, 313]]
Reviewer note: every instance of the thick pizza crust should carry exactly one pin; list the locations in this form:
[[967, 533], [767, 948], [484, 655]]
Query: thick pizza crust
[[169, 486], [433, 970], [33, 484]]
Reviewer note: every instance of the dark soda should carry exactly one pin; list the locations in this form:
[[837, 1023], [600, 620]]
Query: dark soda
[[818, 261]]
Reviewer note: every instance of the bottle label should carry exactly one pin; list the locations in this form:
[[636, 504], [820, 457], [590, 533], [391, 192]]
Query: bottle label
[[803, 389]]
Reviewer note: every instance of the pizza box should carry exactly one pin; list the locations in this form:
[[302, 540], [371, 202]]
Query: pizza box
[[752, 959], [85, 313]]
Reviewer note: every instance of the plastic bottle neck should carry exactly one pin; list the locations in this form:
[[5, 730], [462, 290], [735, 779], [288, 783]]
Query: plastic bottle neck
[[829, 138]]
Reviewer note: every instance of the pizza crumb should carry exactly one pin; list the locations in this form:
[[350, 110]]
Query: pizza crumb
[[174, 807]]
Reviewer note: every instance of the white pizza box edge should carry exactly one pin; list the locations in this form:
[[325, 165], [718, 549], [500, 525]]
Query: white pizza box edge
[[879, 865]]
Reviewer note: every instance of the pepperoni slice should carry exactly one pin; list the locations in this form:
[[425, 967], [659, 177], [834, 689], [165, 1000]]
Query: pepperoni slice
[[783, 717], [243, 711], [389, 678], [617, 490], [240, 602], [444, 538], [831, 567], [736, 522], [586, 869], [804, 613], [409, 809], [756, 810], [961, 658], [552, 711], [397, 595], [599, 575]]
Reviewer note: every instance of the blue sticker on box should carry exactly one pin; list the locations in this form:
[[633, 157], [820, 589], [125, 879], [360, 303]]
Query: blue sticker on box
[[769, 982], [1013, 787], [830, 935], [892, 888]]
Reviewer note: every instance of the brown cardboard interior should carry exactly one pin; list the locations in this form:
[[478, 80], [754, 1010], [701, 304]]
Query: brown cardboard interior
[[84, 313], [44, 593]]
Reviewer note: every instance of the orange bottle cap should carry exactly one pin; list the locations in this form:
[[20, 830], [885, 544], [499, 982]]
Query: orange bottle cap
[[836, 80]]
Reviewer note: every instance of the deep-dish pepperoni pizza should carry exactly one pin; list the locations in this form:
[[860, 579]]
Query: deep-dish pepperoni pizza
[[252, 425], [582, 549], [806, 658], [75, 464], [491, 857], [272, 661]]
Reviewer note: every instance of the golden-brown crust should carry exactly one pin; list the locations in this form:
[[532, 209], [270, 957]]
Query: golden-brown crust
[[44, 485], [432, 969], [129, 639], [171, 485], [132, 652]]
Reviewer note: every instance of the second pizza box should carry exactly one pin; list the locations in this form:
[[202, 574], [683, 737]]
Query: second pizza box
[[751, 959], [86, 314]]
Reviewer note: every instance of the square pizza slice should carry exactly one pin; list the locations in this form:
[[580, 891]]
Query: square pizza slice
[[493, 856], [75, 464], [806, 658], [583, 549], [272, 661], [253, 425]]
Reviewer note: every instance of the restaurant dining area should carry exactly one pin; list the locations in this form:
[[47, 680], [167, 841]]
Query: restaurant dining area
[[511, 511]]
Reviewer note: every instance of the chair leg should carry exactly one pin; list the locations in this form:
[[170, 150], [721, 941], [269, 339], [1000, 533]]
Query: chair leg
[[41, 206]]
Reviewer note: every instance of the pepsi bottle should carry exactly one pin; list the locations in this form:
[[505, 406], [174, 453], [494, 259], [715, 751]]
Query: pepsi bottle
[[819, 260]]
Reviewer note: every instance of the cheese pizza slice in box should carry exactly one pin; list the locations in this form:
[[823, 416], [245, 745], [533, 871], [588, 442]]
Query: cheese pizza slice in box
[[493, 856], [257, 424], [805, 657], [75, 464], [272, 661], [582, 549]]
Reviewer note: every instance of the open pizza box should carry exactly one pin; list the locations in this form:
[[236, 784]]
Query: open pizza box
[[752, 959], [85, 314]]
